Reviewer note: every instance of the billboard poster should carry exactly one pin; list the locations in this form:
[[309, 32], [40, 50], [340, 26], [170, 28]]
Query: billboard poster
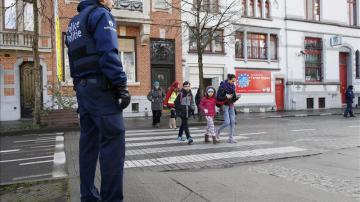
[[253, 81]]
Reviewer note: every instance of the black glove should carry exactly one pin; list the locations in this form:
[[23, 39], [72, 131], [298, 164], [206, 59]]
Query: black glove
[[123, 96]]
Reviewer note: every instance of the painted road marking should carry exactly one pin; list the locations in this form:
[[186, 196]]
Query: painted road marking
[[31, 176], [161, 132], [174, 141], [59, 157], [35, 162], [157, 130], [309, 129], [354, 126], [25, 159], [131, 152], [9, 151], [36, 140], [42, 146], [258, 133], [172, 136], [210, 156]]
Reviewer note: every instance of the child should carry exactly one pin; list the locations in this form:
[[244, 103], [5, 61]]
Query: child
[[207, 108], [169, 102], [184, 105]]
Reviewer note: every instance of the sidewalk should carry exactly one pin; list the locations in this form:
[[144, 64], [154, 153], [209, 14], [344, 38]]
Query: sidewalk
[[26, 127]]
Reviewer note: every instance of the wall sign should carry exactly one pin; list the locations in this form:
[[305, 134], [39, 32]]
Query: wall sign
[[253, 81]]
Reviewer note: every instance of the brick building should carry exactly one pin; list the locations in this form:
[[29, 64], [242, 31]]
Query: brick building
[[150, 50]]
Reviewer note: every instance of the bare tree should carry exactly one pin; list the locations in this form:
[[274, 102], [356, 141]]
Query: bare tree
[[39, 9], [204, 19]]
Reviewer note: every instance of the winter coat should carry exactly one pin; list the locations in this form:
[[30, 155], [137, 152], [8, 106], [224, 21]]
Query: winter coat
[[224, 89], [208, 103], [156, 97], [171, 95], [349, 95], [184, 104]]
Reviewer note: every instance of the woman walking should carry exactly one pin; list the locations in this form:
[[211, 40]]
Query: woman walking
[[227, 96], [156, 97]]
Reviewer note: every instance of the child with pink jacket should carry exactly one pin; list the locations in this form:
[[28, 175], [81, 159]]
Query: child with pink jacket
[[207, 109]]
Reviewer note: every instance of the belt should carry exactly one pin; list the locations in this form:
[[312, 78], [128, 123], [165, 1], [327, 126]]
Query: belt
[[88, 81]]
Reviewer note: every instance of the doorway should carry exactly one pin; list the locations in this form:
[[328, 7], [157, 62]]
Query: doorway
[[343, 75], [163, 76], [279, 94], [27, 89]]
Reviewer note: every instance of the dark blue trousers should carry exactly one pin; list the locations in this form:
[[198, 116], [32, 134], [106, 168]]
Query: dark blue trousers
[[102, 137], [348, 110]]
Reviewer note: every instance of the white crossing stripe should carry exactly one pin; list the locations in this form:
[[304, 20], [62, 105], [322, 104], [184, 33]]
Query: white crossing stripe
[[162, 132], [131, 152], [37, 140], [137, 144], [163, 137], [210, 156], [354, 126], [302, 130], [8, 151], [258, 133], [157, 130], [35, 162], [25, 159]]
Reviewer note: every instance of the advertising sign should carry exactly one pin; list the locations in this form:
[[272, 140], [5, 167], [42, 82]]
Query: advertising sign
[[253, 81]]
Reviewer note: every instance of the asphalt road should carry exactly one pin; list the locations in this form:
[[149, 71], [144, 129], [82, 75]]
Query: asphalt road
[[281, 159]]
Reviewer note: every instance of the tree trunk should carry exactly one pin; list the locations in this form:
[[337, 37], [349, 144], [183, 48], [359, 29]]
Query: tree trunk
[[38, 89], [200, 64]]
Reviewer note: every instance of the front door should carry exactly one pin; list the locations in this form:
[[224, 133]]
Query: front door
[[163, 76], [27, 89], [343, 75], [279, 94]]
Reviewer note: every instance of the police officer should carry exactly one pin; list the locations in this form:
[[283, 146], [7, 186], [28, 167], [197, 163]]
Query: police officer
[[101, 90]]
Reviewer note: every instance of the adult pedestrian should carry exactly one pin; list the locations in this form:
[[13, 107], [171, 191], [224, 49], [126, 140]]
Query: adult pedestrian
[[101, 90], [349, 96], [185, 106], [169, 102], [226, 97], [156, 97]]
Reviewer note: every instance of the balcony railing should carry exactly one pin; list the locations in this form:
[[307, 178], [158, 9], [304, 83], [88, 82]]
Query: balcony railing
[[132, 5], [19, 40]]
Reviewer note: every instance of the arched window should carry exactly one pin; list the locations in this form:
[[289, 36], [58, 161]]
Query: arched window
[[251, 8], [259, 9], [243, 11], [267, 9]]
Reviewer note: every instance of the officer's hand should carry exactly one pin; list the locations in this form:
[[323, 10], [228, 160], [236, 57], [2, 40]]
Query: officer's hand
[[123, 96]]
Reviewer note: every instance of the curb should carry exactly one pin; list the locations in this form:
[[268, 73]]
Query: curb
[[306, 115]]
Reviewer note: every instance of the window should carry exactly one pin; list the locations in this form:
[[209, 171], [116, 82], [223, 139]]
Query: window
[[207, 5], [273, 47], [215, 45], [259, 9], [313, 10], [321, 102], [352, 12], [10, 15], [267, 9], [28, 17], [251, 9], [313, 51], [127, 55], [239, 45], [357, 64], [162, 4], [219, 41], [310, 103], [256, 46], [66, 66], [243, 11]]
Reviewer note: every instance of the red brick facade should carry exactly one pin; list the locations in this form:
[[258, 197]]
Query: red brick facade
[[11, 59]]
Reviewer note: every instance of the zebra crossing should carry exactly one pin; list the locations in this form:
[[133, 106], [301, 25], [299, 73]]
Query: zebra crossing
[[159, 148]]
